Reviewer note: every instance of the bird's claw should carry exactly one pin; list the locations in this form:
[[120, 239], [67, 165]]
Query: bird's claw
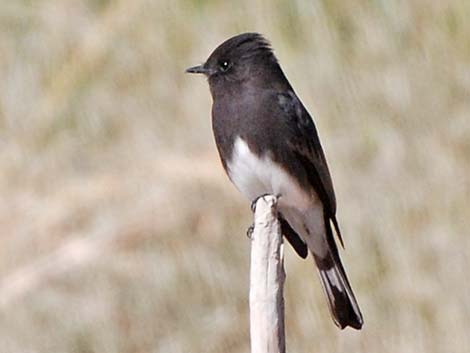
[[253, 203], [249, 231]]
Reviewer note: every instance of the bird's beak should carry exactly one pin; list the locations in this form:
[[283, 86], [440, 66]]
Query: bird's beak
[[198, 70]]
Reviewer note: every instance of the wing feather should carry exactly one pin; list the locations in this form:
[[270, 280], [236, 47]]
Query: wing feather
[[306, 145]]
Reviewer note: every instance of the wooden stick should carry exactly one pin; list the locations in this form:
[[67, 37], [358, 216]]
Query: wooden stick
[[267, 280]]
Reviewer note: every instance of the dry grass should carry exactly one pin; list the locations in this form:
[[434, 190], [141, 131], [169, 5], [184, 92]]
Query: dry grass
[[120, 232]]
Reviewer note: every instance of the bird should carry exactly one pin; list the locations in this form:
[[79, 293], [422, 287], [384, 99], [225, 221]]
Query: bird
[[268, 144]]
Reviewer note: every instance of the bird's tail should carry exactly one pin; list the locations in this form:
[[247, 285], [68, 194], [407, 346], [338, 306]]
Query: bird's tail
[[341, 301]]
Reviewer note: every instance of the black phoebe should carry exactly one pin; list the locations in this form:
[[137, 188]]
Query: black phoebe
[[268, 144]]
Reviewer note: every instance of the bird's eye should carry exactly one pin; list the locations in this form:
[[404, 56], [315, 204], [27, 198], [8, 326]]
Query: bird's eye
[[224, 65]]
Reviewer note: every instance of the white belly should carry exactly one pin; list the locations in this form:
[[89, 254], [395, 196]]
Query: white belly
[[255, 176], [258, 175]]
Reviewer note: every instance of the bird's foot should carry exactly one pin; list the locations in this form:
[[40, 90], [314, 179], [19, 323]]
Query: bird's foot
[[253, 203], [249, 231]]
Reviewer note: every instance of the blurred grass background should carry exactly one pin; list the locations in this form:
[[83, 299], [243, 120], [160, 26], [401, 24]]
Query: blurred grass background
[[119, 231]]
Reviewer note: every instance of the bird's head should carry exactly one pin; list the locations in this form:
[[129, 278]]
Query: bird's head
[[238, 59]]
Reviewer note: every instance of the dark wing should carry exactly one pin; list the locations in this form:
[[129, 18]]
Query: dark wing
[[306, 146], [293, 238]]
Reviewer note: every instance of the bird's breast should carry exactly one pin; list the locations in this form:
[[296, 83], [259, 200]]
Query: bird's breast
[[255, 175]]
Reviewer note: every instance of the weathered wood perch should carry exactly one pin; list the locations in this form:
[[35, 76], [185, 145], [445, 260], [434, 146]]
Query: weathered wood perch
[[267, 280]]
